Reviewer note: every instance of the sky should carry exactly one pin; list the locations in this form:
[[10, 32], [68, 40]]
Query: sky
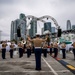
[[61, 10]]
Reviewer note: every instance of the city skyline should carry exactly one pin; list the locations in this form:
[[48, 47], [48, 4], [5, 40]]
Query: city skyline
[[61, 10]]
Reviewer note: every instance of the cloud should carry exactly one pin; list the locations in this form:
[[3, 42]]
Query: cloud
[[61, 10], [5, 36], [6, 1]]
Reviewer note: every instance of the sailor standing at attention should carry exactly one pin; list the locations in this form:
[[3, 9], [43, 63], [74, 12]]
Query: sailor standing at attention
[[4, 44], [28, 47], [11, 49], [37, 41], [51, 49], [73, 49], [45, 45], [63, 48], [20, 45], [55, 49]]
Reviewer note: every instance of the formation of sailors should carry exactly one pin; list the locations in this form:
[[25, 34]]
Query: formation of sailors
[[38, 45], [27, 46]]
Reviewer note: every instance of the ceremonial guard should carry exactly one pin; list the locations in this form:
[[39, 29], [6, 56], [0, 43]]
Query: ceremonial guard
[[11, 49], [63, 48], [4, 44], [20, 45]]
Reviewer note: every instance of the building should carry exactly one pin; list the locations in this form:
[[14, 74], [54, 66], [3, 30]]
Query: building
[[47, 26], [33, 27], [52, 29], [18, 23], [73, 27], [68, 25]]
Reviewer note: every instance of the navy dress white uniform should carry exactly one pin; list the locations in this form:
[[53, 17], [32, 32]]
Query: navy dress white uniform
[[37, 50]]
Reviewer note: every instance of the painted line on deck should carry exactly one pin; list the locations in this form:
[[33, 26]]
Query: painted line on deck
[[67, 65], [50, 67]]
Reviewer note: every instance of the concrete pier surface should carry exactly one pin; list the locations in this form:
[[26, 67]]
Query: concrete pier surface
[[26, 66]]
